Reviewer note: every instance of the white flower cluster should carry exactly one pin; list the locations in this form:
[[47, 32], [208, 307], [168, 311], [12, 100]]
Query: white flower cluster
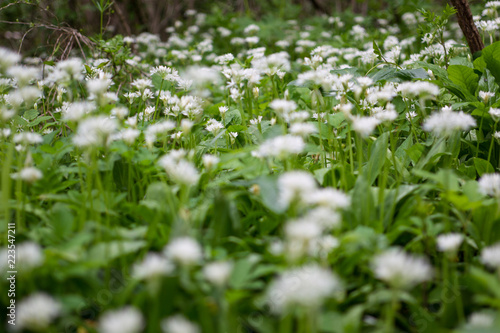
[[280, 147], [446, 122], [401, 270], [307, 286], [125, 320], [178, 168]]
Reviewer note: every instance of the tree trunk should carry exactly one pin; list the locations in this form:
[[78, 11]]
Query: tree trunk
[[467, 25]]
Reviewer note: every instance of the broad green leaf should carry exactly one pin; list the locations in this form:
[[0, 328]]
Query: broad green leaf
[[236, 128], [491, 56], [483, 166], [38, 120], [233, 117], [480, 64], [30, 114], [465, 77], [487, 280], [377, 158]]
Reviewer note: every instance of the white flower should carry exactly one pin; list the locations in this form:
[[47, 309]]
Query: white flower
[[28, 138], [120, 112], [449, 242], [210, 161], [125, 320], [8, 58], [490, 256], [217, 272], [255, 92], [401, 270], [184, 250], [36, 312], [223, 109], [178, 324], [272, 63], [214, 126], [322, 246], [94, 131], [305, 286], [157, 130], [201, 76], [224, 59], [69, 68], [282, 106], [328, 197], [29, 174], [77, 110], [364, 126], [303, 129], [256, 121], [411, 115], [98, 86], [422, 89], [295, 185], [281, 147], [478, 321], [166, 73], [23, 74], [489, 184], [129, 135], [446, 122], [495, 114], [142, 84], [29, 255], [152, 266], [252, 28], [325, 217], [486, 95], [302, 230], [178, 169], [186, 126]]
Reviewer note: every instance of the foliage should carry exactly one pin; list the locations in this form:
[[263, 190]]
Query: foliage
[[256, 176]]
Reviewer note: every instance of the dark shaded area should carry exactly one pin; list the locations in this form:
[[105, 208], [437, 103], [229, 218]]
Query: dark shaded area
[[56, 26]]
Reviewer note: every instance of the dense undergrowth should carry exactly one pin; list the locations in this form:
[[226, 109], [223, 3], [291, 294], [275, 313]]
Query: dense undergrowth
[[332, 175]]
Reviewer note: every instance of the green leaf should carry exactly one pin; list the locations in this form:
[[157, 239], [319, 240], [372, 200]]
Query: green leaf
[[415, 151], [102, 64], [491, 56], [480, 64], [61, 219], [362, 196], [376, 50], [39, 120], [403, 75], [465, 77], [233, 117], [336, 119], [487, 280], [483, 166], [30, 114], [384, 74], [377, 158], [410, 74], [269, 192], [236, 128]]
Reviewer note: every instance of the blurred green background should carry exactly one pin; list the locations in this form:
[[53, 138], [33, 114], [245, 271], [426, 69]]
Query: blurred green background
[[45, 25]]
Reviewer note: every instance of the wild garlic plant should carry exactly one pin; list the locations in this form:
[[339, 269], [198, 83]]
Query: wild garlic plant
[[321, 177]]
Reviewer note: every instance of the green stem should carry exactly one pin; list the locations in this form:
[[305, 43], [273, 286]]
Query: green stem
[[492, 141], [349, 143]]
